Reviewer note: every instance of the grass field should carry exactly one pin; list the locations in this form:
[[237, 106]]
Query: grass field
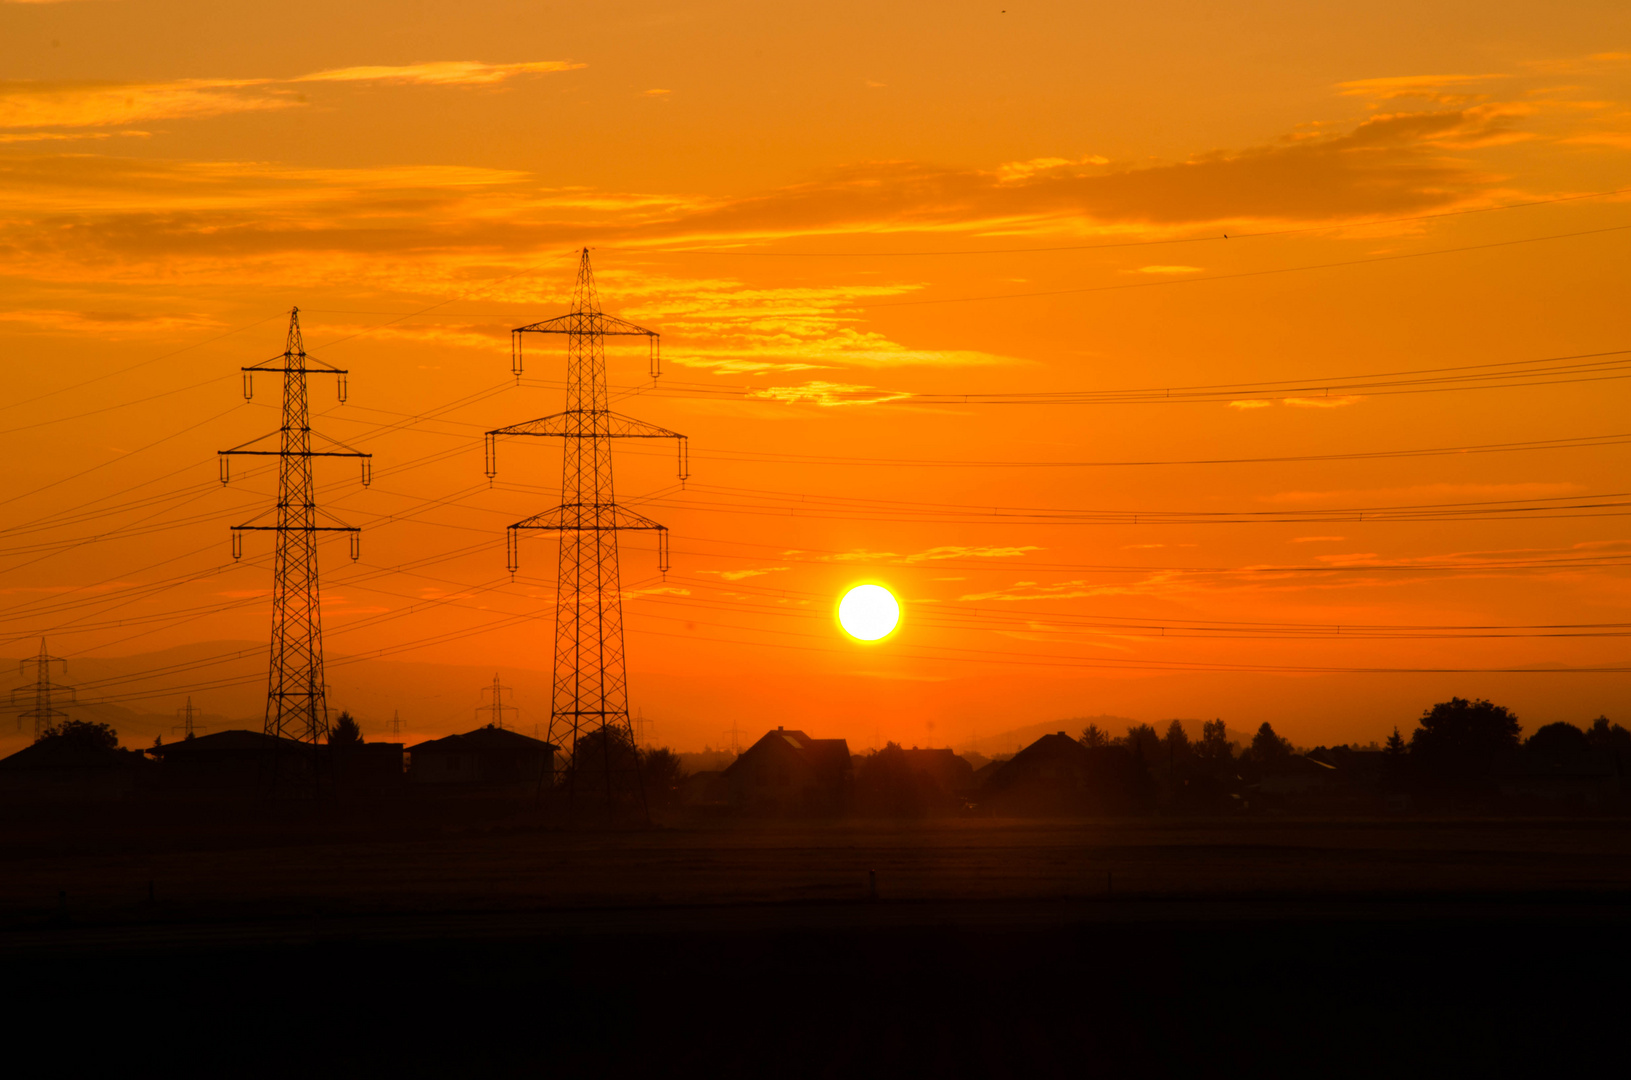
[[1123, 948]]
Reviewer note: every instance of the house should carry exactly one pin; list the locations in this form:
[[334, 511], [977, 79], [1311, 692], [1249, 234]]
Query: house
[[950, 773], [1574, 780], [789, 773], [488, 757], [1299, 774], [56, 769], [223, 763], [707, 788], [237, 763], [897, 782], [1057, 775]]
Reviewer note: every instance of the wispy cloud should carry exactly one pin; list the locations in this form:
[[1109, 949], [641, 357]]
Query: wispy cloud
[[1427, 493], [105, 104], [954, 551], [441, 72], [742, 575], [1442, 89], [1338, 402], [934, 554], [828, 394]]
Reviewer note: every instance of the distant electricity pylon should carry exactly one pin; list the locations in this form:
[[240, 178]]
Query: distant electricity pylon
[[42, 688], [496, 708], [187, 726], [642, 728], [296, 699], [590, 704], [396, 722]]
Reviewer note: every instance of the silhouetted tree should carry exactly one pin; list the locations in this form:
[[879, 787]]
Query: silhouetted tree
[[1176, 741], [1215, 745], [1459, 743], [886, 785], [1267, 747], [661, 772], [1395, 745], [81, 735], [1143, 741], [606, 753], [1466, 729], [345, 733], [1093, 737], [1557, 742], [1609, 737]]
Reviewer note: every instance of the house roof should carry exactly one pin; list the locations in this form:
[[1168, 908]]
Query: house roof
[[483, 738], [220, 742], [818, 753], [1060, 747], [59, 754]]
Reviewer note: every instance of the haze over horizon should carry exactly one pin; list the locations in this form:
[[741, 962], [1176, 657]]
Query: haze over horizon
[[1163, 363]]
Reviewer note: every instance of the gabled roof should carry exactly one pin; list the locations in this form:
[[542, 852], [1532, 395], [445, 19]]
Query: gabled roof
[[58, 754], [234, 741], [1060, 747], [817, 753], [484, 738], [1051, 748]]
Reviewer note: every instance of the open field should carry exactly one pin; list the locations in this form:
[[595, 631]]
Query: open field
[[992, 949], [215, 872]]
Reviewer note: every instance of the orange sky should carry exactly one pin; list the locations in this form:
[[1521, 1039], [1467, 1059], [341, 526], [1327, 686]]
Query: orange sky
[[843, 219]]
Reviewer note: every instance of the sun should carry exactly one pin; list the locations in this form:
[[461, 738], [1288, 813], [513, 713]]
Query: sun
[[869, 612]]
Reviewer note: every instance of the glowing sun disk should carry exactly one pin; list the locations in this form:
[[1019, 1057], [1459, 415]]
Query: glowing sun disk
[[868, 612]]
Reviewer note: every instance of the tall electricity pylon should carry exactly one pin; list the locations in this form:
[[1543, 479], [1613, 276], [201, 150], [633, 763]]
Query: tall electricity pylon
[[187, 727], [42, 689], [296, 698], [496, 708], [590, 704]]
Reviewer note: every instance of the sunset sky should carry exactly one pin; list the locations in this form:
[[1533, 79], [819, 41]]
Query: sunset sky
[[1109, 337]]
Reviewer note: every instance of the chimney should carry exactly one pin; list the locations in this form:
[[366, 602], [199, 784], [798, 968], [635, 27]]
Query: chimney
[[778, 727]]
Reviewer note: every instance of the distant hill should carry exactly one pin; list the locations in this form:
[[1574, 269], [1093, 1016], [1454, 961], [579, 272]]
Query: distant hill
[[1006, 742]]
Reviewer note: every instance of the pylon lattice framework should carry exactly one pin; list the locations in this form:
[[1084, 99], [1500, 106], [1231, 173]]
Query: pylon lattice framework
[[296, 698], [43, 712], [590, 705], [496, 708]]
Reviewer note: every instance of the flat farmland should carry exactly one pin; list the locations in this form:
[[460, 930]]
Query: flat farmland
[[213, 873]]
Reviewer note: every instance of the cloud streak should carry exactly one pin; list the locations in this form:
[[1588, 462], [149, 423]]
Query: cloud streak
[[108, 104]]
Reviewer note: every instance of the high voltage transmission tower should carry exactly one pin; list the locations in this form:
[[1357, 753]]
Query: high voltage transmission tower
[[590, 703], [496, 708], [187, 727], [296, 699], [43, 690]]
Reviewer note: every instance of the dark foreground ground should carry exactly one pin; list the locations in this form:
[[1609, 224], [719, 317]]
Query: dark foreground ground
[[991, 949]]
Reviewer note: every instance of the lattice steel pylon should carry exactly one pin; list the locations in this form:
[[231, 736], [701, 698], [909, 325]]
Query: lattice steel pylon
[[496, 708], [43, 691], [296, 697], [589, 710]]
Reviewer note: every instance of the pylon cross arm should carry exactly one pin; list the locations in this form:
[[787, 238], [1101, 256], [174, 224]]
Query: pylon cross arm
[[588, 424], [586, 323], [569, 518], [564, 519], [309, 364]]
